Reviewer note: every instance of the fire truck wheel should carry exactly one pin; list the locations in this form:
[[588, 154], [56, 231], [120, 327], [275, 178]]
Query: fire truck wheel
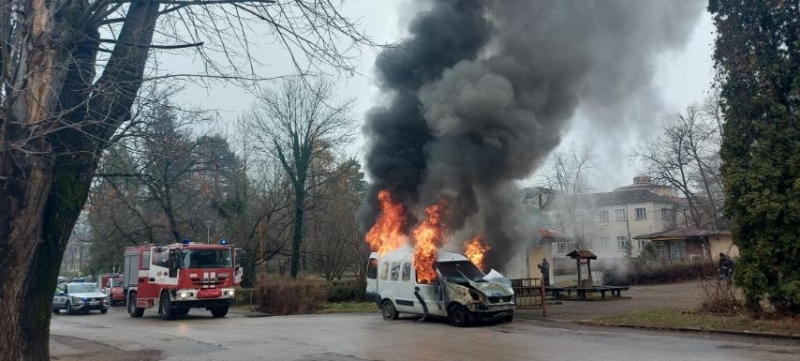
[[167, 312], [132, 309], [388, 310], [220, 311], [459, 316]]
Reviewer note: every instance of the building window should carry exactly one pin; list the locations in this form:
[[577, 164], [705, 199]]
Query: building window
[[642, 243], [667, 213], [563, 246], [623, 243], [603, 215], [605, 243], [641, 213], [619, 214]]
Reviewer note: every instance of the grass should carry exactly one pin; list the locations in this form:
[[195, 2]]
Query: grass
[[677, 318], [349, 307]]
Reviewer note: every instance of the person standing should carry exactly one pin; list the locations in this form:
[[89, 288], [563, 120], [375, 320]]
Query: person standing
[[544, 267]]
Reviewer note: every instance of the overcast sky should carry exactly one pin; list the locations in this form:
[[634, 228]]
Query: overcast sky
[[683, 77]]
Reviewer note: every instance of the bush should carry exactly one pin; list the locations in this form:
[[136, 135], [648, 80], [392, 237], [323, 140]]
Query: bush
[[286, 296], [245, 296], [637, 274], [346, 291], [719, 298]]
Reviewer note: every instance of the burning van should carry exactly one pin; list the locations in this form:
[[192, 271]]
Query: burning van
[[460, 292]]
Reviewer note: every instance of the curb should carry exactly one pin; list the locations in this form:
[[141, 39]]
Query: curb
[[783, 336]]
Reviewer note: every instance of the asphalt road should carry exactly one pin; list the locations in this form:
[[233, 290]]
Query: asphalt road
[[354, 337]]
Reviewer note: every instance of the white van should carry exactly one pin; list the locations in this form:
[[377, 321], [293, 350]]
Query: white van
[[461, 293]]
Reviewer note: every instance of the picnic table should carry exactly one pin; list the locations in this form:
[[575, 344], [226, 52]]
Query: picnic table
[[581, 292]]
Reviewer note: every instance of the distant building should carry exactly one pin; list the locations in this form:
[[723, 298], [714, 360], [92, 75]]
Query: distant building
[[690, 244], [605, 223]]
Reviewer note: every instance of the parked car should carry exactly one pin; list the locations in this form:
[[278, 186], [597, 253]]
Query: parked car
[[114, 291], [79, 298]]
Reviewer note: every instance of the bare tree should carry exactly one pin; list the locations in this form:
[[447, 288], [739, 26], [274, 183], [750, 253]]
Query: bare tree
[[58, 114], [298, 124], [336, 245], [686, 157], [567, 173]]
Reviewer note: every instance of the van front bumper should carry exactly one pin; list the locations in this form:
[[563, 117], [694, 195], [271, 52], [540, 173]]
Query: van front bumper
[[491, 308]]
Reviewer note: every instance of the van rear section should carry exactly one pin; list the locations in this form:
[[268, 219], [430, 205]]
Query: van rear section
[[460, 293]]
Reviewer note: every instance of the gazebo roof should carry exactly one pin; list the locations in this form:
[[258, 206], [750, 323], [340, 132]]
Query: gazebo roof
[[581, 254]]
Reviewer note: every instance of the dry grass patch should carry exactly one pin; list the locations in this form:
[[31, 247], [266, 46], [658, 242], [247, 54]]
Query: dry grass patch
[[350, 307], [677, 318]]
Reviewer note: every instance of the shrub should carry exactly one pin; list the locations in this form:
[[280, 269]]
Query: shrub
[[285, 296], [719, 298], [638, 274], [346, 291], [245, 296]]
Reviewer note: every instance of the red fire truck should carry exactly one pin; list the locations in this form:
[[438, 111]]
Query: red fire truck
[[179, 276]]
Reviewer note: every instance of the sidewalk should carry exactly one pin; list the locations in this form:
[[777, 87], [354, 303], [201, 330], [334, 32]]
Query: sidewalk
[[638, 298], [65, 348]]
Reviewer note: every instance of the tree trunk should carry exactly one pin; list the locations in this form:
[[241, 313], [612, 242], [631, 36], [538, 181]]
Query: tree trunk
[[45, 177], [297, 235]]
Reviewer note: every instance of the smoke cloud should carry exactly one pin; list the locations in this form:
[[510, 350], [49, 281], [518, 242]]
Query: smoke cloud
[[482, 91]]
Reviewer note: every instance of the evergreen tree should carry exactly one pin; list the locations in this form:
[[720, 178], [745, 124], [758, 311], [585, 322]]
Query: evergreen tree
[[757, 57]]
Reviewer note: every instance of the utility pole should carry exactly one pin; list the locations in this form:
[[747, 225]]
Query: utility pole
[[208, 232]]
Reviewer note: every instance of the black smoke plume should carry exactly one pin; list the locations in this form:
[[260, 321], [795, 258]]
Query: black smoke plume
[[482, 91]]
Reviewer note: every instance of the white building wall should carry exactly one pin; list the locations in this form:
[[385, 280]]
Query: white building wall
[[608, 237]]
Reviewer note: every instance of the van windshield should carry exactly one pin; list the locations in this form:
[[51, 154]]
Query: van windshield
[[460, 272]]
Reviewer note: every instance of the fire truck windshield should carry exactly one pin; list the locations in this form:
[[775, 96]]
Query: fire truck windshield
[[206, 258]]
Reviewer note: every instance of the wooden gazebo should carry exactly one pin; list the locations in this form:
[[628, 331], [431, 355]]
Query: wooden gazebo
[[580, 255]]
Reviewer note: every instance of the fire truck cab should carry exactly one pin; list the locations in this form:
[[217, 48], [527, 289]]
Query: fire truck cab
[[178, 277]]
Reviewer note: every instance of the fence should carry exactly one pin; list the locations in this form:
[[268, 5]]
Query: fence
[[530, 294]]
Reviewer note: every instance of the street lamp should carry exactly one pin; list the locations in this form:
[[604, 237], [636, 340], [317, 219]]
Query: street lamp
[[208, 232]]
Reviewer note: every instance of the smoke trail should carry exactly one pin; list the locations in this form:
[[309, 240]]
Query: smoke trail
[[490, 120], [450, 31]]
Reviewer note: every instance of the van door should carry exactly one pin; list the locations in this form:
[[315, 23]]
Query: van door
[[430, 297], [371, 293]]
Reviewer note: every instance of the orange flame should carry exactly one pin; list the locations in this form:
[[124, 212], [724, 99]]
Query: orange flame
[[476, 251], [428, 237], [387, 233]]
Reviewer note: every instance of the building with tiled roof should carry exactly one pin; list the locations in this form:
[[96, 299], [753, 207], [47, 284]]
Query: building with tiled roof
[[605, 223]]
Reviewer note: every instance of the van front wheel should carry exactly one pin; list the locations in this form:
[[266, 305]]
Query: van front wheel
[[459, 316], [388, 310]]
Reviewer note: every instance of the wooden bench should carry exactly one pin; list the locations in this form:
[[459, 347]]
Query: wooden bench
[[580, 292]]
